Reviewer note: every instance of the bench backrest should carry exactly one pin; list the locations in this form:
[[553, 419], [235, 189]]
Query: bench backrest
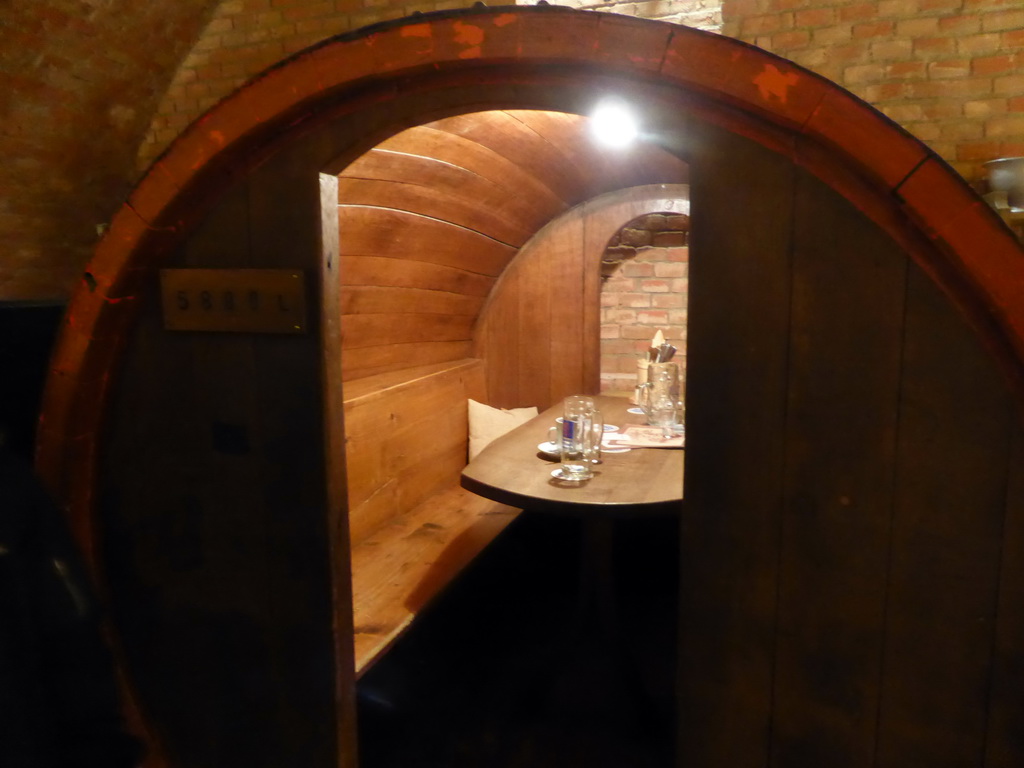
[[406, 436]]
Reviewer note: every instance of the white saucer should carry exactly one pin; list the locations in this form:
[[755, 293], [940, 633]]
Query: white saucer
[[549, 448], [635, 410], [557, 474]]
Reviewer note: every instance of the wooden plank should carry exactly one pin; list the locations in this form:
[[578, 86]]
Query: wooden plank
[[1004, 742], [570, 348], [497, 334], [406, 273], [844, 373], [604, 218], [376, 300], [539, 289], [397, 571], [599, 169], [738, 326], [410, 328], [370, 361], [386, 232], [470, 369], [451, 179], [285, 230], [402, 492], [526, 147], [946, 539], [400, 407], [466, 153], [426, 199], [405, 441]]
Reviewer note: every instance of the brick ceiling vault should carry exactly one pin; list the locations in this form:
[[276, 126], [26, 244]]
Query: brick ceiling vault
[[79, 84]]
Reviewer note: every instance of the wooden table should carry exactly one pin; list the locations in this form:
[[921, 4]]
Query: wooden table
[[642, 481]]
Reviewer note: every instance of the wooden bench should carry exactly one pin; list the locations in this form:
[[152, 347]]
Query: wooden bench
[[413, 529]]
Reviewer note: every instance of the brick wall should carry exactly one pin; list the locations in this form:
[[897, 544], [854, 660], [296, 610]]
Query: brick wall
[[78, 85], [94, 90], [646, 273], [950, 71], [700, 14], [244, 37]]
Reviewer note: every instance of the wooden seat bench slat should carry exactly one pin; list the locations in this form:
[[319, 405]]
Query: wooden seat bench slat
[[412, 528], [408, 561]]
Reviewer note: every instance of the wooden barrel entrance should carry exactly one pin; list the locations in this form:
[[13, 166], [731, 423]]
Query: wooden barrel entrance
[[201, 479]]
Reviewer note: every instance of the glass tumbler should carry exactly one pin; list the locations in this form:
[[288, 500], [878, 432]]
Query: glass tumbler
[[576, 418], [594, 435]]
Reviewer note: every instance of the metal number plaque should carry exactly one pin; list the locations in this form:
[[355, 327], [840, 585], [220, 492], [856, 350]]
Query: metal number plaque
[[239, 300]]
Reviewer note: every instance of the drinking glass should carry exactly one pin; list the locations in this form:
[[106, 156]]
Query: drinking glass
[[577, 411], [593, 437], [660, 395]]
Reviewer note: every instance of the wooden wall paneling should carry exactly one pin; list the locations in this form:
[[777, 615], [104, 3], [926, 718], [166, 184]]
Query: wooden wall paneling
[[403, 273], [539, 291], [402, 235], [954, 429], [338, 542], [406, 478], [289, 446], [595, 242], [520, 213], [511, 138], [149, 529], [406, 441], [369, 361], [598, 169], [377, 300], [404, 328], [561, 245], [497, 334], [1004, 737], [418, 194], [183, 523], [845, 346], [736, 391], [531, 192]]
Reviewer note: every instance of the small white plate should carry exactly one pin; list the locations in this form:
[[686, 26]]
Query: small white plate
[[557, 474], [635, 410], [549, 448]]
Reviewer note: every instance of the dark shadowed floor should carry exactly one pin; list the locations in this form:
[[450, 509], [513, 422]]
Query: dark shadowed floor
[[502, 672]]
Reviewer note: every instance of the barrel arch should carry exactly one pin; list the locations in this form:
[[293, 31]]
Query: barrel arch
[[881, 169]]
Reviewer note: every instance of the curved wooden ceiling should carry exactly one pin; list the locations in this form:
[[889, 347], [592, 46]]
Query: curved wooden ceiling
[[430, 217]]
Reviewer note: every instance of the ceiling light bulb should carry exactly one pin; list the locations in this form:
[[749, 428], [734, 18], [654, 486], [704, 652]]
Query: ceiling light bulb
[[614, 125]]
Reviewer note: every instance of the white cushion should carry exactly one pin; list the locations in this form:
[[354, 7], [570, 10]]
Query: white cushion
[[487, 423]]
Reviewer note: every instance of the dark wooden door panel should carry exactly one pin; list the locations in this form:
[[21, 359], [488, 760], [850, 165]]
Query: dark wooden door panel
[[736, 366]]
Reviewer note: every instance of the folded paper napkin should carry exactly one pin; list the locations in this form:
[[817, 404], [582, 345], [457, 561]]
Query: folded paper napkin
[[487, 423], [642, 436]]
